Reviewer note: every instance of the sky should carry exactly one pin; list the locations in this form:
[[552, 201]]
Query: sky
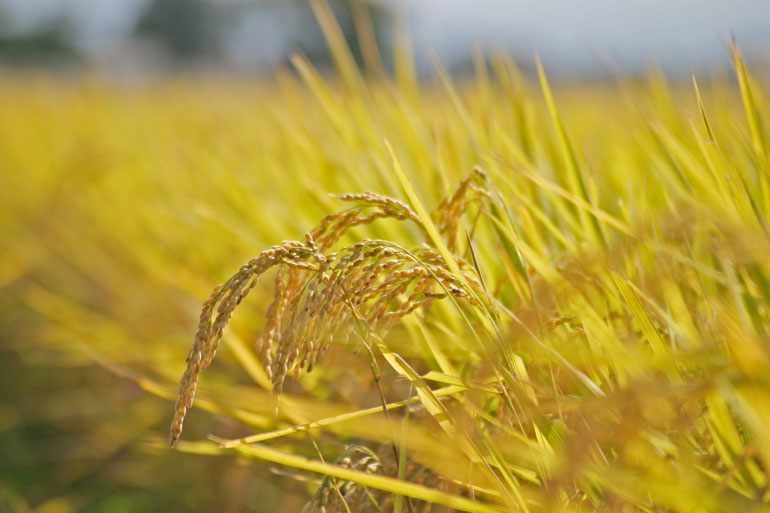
[[570, 34], [676, 34]]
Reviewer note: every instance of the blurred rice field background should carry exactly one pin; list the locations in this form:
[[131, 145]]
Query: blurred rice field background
[[627, 240]]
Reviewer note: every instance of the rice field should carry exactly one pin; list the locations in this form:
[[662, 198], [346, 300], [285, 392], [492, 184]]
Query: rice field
[[483, 294]]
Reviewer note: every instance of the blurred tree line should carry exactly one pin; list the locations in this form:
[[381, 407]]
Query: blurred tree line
[[48, 44], [244, 34]]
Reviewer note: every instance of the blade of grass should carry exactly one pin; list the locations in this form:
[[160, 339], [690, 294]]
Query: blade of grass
[[574, 174], [378, 482]]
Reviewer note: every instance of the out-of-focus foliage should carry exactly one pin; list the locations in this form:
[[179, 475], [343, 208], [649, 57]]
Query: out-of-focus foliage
[[208, 31], [50, 45], [621, 365], [177, 35]]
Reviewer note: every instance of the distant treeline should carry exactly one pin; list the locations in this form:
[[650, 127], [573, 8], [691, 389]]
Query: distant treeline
[[190, 32]]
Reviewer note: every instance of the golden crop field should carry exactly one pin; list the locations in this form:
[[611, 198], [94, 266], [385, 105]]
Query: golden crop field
[[513, 296]]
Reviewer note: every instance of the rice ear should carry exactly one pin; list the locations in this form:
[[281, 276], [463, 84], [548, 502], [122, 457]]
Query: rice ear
[[319, 295]]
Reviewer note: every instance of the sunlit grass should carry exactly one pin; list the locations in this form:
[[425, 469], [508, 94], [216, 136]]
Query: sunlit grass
[[616, 358]]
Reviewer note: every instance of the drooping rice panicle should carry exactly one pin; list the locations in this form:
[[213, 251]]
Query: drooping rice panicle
[[319, 295]]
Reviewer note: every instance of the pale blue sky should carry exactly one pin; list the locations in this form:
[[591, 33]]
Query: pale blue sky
[[570, 33]]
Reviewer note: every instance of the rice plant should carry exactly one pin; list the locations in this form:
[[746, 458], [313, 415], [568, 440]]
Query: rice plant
[[612, 345]]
